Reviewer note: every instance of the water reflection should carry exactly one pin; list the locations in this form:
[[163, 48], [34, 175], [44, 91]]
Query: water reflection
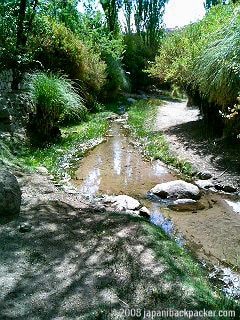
[[117, 156], [116, 167], [159, 220], [166, 224]]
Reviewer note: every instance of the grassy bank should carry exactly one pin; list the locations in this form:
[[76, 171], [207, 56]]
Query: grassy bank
[[187, 280], [61, 157], [141, 120]]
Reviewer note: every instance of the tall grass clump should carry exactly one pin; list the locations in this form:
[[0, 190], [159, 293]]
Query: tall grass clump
[[203, 59], [56, 101], [141, 120], [217, 74]]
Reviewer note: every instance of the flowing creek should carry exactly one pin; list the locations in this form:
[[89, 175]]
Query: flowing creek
[[116, 167]]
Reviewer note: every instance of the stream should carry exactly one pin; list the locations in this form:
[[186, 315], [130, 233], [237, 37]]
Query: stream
[[116, 166]]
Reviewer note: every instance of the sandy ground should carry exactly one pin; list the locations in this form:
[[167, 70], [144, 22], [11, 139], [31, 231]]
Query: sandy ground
[[191, 141], [212, 234], [78, 263]]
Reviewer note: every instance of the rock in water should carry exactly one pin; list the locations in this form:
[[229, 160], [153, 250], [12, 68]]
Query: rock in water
[[10, 194], [205, 175], [204, 184], [124, 202], [144, 212], [177, 189], [186, 205]]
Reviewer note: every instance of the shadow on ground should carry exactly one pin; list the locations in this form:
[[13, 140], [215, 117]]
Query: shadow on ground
[[222, 153], [77, 264]]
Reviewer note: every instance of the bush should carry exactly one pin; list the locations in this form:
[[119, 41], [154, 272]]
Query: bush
[[117, 80], [56, 101], [94, 34], [203, 59], [59, 50]]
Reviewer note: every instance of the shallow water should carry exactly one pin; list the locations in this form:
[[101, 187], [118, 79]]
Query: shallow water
[[117, 167]]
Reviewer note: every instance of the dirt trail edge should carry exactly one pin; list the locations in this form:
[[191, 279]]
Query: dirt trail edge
[[188, 137]]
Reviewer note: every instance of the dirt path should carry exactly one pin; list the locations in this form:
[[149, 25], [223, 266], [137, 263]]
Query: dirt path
[[189, 139], [78, 263], [213, 234]]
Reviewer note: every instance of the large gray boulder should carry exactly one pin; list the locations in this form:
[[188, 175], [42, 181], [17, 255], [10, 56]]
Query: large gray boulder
[[177, 189], [10, 194]]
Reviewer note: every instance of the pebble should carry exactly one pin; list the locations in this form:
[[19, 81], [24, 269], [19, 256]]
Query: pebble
[[25, 227]]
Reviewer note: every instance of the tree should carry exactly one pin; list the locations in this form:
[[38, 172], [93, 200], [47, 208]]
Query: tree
[[111, 9], [24, 23], [147, 16]]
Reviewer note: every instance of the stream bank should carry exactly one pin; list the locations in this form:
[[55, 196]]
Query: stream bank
[[117, 167], [76, 262], [64, 257]]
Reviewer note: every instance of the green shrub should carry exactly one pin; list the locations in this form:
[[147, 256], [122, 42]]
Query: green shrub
[[203, 59], [217, 69], [56, 101], [117, 80], [94, 34], [60, 50]]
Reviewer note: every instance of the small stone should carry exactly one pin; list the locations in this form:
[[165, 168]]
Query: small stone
[[42, 170], [228, 188], [120, 120], [204, 184], [69, 189], [225, 188], [124, 203], [144, 212], [186, 205], [112, 117], [25, 227], [99, 208], [205, 175], [131, 100]]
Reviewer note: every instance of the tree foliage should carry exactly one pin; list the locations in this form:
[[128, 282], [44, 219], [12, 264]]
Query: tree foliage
[[203, 58], [111, 9]]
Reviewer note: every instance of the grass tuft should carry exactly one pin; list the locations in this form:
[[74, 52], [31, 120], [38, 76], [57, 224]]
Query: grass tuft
[[61, 158], [142, 116]]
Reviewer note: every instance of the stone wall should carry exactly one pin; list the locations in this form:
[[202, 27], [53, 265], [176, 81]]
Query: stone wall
[[6, 79], [15, 106]]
